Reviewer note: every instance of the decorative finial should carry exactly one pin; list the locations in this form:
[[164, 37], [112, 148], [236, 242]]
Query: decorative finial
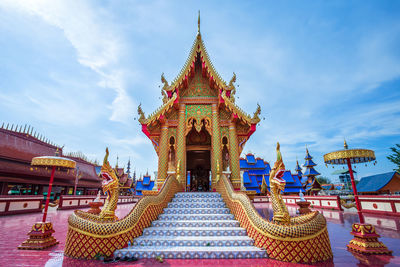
[[57, 152], [345, 144], [198, 24], [105, 161]]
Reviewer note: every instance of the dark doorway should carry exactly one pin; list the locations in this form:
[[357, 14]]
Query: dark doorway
[[199, 165]]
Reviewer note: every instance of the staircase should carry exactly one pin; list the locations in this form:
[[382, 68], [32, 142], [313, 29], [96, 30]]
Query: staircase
[[194, 226]]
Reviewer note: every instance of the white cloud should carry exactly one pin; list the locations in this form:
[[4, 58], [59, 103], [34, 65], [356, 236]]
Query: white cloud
[[95, 41]]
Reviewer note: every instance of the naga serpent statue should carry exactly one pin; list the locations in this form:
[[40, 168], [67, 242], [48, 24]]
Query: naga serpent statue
[[90, 235], [110, 184], [277, 184], [302, 238]]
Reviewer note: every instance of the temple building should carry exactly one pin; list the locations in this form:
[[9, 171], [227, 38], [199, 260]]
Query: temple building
[[198, 130], [255, 169], [384, 183], [310, 183], [344, 178], [17, 148], [144, 183]]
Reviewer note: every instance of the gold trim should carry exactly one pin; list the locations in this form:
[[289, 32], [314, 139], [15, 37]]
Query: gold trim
[[53, 161], [355, 155]]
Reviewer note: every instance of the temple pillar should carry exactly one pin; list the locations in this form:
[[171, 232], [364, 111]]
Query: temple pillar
[[181, 144], [163, 151], [215, 145], [4, 188], [234, 156]]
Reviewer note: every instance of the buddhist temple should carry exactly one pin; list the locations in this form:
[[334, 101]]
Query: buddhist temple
[[310, 183], [198, 128], [255, 169], [384, 183], [18, 145], [144, 183]]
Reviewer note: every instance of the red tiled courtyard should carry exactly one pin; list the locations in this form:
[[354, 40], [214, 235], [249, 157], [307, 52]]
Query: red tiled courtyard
[[14, 229]]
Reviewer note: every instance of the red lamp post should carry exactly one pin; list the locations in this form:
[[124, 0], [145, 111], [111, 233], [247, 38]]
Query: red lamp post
[[40, 236], [365, 239]]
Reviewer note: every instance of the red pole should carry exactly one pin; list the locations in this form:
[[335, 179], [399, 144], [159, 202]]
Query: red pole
[[353, 184], [48, 194]]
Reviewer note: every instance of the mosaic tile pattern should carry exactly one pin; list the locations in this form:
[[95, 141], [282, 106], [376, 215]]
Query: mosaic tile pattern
[[193, 223], [194, 226]]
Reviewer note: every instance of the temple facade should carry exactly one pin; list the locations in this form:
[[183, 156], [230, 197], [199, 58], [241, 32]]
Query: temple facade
[[199, 128]]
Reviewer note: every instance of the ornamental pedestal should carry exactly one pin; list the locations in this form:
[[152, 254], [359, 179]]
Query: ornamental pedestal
[[40, 237], [304, 207], [365, 240], [95, 207]]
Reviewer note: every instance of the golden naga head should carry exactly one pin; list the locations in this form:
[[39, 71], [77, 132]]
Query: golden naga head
[[108, 175], [278, 170]]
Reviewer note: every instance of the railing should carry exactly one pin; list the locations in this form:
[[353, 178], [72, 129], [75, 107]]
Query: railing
[[20, 204], [87, 238], [74, 202], [305, 239], [387, 205]]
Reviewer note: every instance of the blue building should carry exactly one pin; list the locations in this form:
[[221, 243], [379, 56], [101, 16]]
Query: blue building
[[310, 183], [255, 169], [144, 184], [384, 183]]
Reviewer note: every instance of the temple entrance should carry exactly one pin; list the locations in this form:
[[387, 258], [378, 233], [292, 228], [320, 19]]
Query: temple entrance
[[199, 170], [198, 160]]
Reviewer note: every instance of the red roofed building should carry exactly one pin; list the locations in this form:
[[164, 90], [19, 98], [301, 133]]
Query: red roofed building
[[17, 176]]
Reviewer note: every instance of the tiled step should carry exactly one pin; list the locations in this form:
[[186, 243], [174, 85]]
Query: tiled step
[[192, 252], [194, 231], [196, 211], [194, 223], [195, 217], [185, 205], [198, 241], [197, 195], [198, 200]]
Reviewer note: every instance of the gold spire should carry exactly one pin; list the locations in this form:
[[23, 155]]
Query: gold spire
[[345, 144], [198, 24]]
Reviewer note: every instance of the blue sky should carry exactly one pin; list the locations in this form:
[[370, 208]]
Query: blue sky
[[322, 71]]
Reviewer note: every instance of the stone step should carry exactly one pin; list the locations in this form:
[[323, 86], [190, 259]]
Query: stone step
[[194, 231], [189, 252], [198, 195], [198, 241], [196, 217], [197, 200], [196, 211], [191, 205], [194, 223]]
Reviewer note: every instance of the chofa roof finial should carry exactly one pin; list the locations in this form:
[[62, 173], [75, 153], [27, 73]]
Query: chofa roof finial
[[198, 24]]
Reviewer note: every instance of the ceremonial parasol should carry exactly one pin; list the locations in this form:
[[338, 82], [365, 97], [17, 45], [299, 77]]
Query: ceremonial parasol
[[40, 235], [365, 237]]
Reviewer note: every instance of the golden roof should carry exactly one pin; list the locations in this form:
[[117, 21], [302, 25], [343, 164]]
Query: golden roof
[[240, 113], [198, 47], [157, 114]]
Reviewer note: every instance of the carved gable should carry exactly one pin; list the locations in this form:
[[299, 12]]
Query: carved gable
[[198, 85]]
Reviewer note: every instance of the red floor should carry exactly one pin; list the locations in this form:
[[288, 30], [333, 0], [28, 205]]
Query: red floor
[[14, 229]]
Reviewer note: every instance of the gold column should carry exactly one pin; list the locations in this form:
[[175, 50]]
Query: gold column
[[181, 143], [216, 144], [163, 152], [234, 156]]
